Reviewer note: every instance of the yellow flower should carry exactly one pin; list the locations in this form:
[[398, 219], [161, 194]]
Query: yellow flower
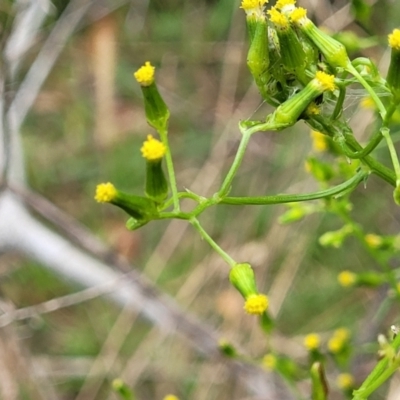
[[153, 149], [170, 397], [282, 3], [256, 304], [312, 341], [373, 241], [105, 192], [326, 81], [342, 333], [319, 141], [394, 39], [345, 381], [367, 102], [335, 344], [249, 5], [347, 278], [269, 362], [299, 15], [313, 109], [278, 18], [145, 74]]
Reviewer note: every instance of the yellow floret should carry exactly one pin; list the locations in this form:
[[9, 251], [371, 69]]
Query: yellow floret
[[170, 397], [367, 102], [256, 304], [145, 74], [335, 344], [326, 81], [269, 362], [313, 109], [299, 15], [153, 149], [394, 39], [319, 141], [312, 341], [345, 381], [373, 241], [282, 3], [105, 192], [347, 278], [278, 18], [248, 5], [342, 333]]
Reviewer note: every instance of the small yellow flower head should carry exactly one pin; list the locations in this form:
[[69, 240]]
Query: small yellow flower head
[[373, 241], [170, 397], [299, 16], [335, 344], [345, 381], [313, 109], [252, 5], [269, 362], [256, 304], [153, 149], [105, 192], [367, 103], [342, 333], [326, 81], [394, 39], [145, 74], [280, 4], [312, 341], [318, 141], [278, 19], [347, 278]]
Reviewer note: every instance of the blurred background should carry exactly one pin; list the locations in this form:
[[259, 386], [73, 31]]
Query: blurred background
[[86, 126]]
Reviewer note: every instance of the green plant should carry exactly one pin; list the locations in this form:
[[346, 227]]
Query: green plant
[[305, 75]]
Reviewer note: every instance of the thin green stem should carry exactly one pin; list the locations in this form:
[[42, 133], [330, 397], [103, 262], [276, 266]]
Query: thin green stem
[[170, 169], [226, 185], [226, 257], [395, 161], [289, 198]]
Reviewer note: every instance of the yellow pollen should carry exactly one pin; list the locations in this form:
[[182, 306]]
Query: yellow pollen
[[278, 18], [312, 341], [394, 39], [145, 74], [345, 381], [105, 192], [326, 81], [256, 304], [347, 278], [299, 15], [319, 141], [282, 3], [153, 149]]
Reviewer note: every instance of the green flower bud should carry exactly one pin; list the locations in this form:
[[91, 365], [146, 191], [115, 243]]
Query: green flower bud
[[140, 208], [156, 183], [227, 348], [393, 76], [122, 389], [157, 112], [258, 56], [318, 380], [289, 112], [334, 52], [335, 238], [242, 278]]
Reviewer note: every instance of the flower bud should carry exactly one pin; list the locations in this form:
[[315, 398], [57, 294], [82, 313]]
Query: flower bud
[[156, 183], [242, 278], [141, 209], [157, 113], [318, 379], [258, 56], [227, 348], [334, 52], [393, 76], [289, 112], [254, 10]]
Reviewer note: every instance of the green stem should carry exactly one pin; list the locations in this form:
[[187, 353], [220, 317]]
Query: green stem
[[226, 185], [395, 161], [289, 198], [170, 169], [196, 224], [383, 370]]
